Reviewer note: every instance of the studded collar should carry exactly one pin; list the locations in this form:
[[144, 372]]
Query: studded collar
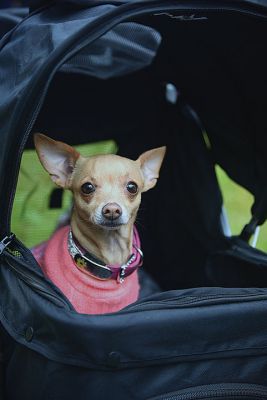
[[95, 267]]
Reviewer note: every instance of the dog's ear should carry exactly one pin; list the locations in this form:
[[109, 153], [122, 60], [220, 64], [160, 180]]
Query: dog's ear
[[57, 158], [150, 163]]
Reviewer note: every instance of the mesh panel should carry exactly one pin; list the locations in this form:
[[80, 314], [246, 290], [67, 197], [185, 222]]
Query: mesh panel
[[127, 48]]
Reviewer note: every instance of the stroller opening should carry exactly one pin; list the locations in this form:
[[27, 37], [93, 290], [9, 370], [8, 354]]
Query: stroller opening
[[165, 79]]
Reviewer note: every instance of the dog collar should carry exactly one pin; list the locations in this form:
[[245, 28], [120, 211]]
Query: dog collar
[[95, 267]]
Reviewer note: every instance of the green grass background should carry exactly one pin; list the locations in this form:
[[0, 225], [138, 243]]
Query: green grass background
[[238, 202]]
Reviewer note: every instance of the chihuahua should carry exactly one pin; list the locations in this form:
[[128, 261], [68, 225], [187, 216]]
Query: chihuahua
[[94, 260]]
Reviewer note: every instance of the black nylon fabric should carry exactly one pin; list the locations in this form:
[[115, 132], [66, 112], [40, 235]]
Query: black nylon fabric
[[37, 3], [221, 74], [10, 18], [126, 48], [167, 342]]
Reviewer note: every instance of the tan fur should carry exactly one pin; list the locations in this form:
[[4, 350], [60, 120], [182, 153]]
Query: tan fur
[[110, 175]]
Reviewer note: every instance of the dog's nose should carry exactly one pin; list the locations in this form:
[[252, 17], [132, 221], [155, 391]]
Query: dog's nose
[[111, 211]]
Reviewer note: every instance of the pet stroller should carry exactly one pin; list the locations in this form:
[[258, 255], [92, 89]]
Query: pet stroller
[[189, 75]]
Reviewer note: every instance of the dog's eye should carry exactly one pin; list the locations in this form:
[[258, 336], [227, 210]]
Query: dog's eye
[[88, 188], [132, 187]]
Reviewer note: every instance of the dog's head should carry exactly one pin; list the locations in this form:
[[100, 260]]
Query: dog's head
[[106, 188]]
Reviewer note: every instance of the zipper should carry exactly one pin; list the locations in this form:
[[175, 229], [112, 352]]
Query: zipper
[[5, 242], [194, 301], [21, 269], [97, 29], [223, 391], [38, 286]]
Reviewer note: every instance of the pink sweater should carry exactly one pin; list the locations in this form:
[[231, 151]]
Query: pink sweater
[[87, 294]]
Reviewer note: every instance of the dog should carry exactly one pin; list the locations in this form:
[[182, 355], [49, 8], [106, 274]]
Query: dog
[[94, 260]]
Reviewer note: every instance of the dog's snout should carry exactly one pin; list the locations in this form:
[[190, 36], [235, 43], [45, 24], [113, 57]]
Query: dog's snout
[[111, 211]]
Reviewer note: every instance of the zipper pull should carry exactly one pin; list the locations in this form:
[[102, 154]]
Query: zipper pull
[[5, 242]]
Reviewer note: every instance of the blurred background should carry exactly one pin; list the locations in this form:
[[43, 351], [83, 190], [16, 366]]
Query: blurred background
[[237, 202]]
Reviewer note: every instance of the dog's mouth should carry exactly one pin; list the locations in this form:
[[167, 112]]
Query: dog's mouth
[[111, 224]]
